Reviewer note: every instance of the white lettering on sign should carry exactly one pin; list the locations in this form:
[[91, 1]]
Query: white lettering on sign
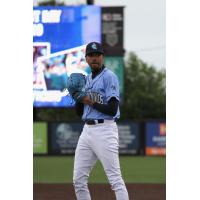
[[51, 16], [45, 16], [159, 139], [48, 96], [36, 16], [117, 17], [112, 17], [38, 29]]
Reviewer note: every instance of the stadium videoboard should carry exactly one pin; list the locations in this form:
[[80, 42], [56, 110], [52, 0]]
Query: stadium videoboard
[[59, 37]]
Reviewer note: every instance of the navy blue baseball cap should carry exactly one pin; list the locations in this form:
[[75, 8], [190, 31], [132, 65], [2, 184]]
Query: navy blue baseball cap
[[94, 47]]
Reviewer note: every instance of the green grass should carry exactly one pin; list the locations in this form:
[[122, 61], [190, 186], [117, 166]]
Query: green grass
[[135, 169]]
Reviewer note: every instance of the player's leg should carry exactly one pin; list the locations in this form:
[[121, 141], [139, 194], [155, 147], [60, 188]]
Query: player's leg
[[107, 152], [112, 169], [84, 160]]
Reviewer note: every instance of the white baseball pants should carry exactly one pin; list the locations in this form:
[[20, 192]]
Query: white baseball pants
[[101, 142]]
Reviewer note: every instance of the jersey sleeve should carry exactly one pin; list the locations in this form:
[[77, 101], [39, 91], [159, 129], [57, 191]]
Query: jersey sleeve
[[112, 87]]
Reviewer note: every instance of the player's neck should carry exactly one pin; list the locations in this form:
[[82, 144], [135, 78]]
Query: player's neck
[[96, 72]]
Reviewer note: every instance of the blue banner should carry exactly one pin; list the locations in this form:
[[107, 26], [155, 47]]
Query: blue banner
[[155, 138], [63, 137], [129, 137]]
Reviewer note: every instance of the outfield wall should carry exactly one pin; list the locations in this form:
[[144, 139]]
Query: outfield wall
[[135, 138]]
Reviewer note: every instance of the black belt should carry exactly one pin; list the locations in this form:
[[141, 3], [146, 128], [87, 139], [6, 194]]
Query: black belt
[[97, 121], [93, 122]]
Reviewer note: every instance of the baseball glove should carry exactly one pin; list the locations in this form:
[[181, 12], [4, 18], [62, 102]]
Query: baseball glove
[[76, 86]]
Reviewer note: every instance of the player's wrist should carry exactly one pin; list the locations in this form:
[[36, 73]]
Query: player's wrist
[[86, 100], [94, 104], [91, 103]]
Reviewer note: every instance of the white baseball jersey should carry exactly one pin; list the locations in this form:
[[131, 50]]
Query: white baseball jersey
[[100, 89]]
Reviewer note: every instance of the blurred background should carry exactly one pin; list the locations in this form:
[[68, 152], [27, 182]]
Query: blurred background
[[133, 36]]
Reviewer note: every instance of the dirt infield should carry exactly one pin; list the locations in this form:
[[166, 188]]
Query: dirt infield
[[98, 192]]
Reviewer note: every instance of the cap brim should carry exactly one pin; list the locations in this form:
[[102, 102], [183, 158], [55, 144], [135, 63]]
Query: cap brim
[[93, 51]]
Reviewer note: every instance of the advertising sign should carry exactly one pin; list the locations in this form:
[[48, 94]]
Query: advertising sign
[[63, 137], [155, 138], [129, 138], [40, 138], [112, 30]]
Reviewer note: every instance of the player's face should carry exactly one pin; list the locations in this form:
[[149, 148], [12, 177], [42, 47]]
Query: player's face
[[95, 61]]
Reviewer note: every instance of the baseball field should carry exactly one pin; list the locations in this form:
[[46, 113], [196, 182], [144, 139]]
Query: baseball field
[[144, 176]]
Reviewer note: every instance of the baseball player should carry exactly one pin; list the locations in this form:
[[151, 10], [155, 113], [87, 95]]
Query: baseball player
[[99, 138]]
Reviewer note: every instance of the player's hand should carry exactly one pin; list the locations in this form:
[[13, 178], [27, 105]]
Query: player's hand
[[86, 100]]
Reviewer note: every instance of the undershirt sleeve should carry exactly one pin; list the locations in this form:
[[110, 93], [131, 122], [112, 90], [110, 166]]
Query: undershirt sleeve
[[79, 109], [110, 108]]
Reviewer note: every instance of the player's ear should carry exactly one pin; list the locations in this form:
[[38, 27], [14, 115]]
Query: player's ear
[[102, 58], [86, 58]]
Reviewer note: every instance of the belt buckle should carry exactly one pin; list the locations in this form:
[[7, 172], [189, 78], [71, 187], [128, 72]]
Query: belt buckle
[[94, 121], [91, 122]]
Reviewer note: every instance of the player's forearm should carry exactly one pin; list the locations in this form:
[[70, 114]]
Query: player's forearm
[[79, 108], [109, 109]]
